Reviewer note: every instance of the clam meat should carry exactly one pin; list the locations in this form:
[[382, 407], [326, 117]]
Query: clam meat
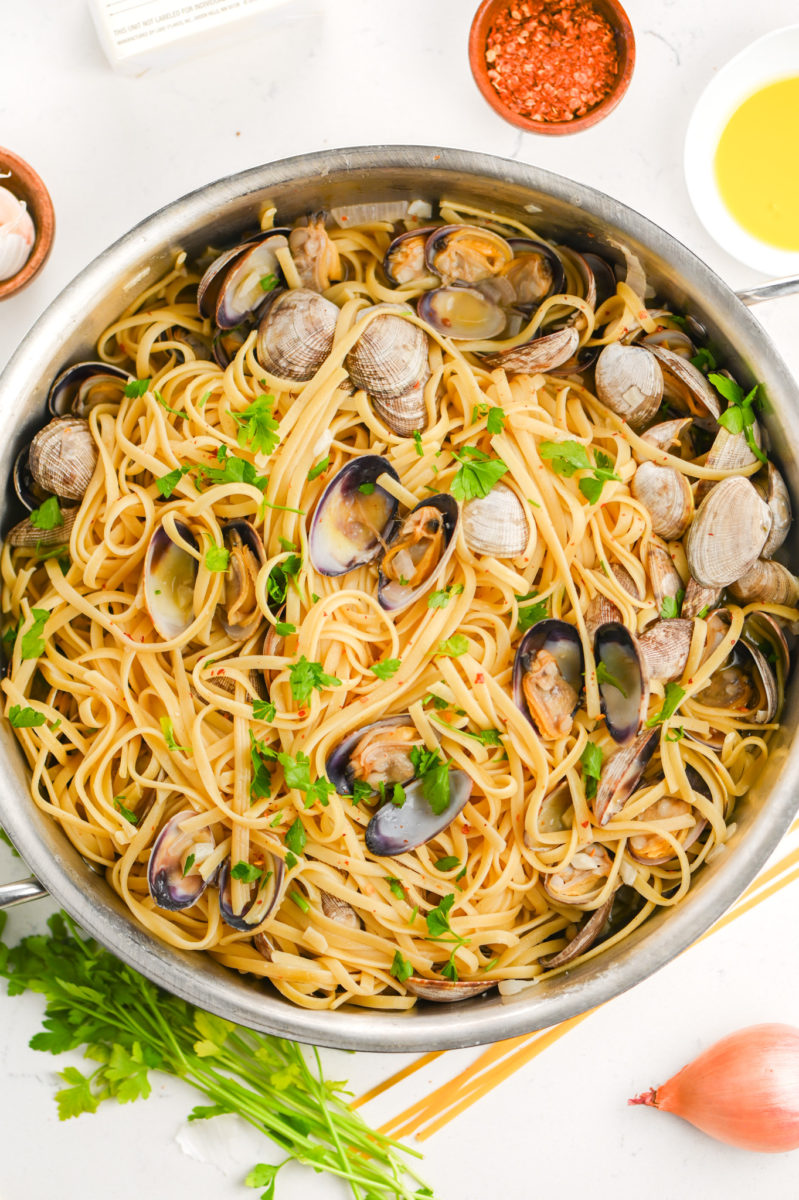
[[379, 753], [173, 870], [579, 884], [466, 253], [404, 261], [240, 613], [417, 551], [548, 676], [678, 818], [315, 255]]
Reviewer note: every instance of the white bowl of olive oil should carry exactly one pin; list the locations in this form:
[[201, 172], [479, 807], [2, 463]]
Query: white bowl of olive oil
[[742, 154]]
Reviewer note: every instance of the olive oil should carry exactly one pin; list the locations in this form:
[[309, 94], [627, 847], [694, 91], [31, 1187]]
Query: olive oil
[[757, 167]]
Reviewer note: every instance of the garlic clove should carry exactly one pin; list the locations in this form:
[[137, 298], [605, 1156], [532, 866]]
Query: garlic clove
[[17, 234]]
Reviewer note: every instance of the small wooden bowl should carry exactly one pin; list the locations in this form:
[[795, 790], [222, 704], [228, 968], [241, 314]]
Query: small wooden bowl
[[619, 22], [26, 185]]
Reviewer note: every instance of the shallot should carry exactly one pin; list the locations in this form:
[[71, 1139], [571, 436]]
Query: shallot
[[743, 1090], [17, 234]]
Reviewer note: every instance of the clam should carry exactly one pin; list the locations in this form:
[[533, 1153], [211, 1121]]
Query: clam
[[84, 385], [63, 456], [296, 334], [396, 829], [699, 599], [765, 632], [315, 255], [629, 381], [666, 580], [583, 940], [600, 611], [775, 493], [673, 437], [352, 517], [728, 533], [621, 773], [664, 648], [579, 883], [652, 848], [404, 260], [541, 354], [190, 344], [264, 892], [240, 613], [675, 340], [390, 362], [461, 312], [466, 253], [211, 282], [170, 573], [535, 272], [548, 676], [745, 681], [242, 285], [687, 389], [27, 489], [173, 870], [447, 991], [555, 813], [339, 911], [666, 494], [265, 945], [496, 524], [25, 533], [227, 343], [767, 581], [417, 551], [622, 679], [378, 753]]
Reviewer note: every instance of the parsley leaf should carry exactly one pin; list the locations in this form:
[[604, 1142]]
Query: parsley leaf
[[441, 599], [435, 787], [397, 796], [217, 558], [417, 437], [126, 813], [296, 837], [26, 718], [676, 734], [47, 515], [671, 606], [591, 761], [32, 643], [448, 863], [530, 614], [360, 791], [317, 470], [257, 425], [245, 872], [169, 736], [476, 475], [268, 284], [671, 702], [263, 710], [401, 969], [454, 646], [305, 676], [189, 863], [566, 457], [396, 887], [167, 483], [740, 416], [603, 675], [284, 628], [137, 387], [438, 918], [176, 412], [366, 488], [386, 669], [233, 470], [261, 756], [704, 360]]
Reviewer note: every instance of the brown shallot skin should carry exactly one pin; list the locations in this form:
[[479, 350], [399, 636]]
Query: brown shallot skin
[[743, 1090]]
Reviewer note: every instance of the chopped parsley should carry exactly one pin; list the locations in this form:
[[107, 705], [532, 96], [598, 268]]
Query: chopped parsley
[[366, 488], [397, 796], [297, 774], [441, 599], [531, 613], [232, 470], [317, 470], [285, 544], [603, 675], [278, 581], [396, 887], [740, 416], [296, 837], [437, 702], [386, 669], [591, 762], [245, 872], [167, 483], [257, 425], [704, 360], [284, 628], [360, 791], [268, 282], [676, 734], [300, 901], [495, 417], [128, 815], [671, 702], [263, 710], [434, 775], [454, 646], [671, 606], [137, 387], [448, 863], [189, 863], [261, 756], [569, 456], [703, 612], [47, 515], [32, 643], [417, 437], [477, 473], [401, 969], [169, 736], [217, 558], [305, 676], [26, 717]]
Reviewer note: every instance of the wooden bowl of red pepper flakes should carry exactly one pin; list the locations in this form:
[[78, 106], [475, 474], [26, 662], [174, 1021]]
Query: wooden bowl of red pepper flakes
[[552, 66]]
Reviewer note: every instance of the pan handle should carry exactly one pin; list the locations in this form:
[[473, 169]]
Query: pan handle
[[775, 289], [20, 892]]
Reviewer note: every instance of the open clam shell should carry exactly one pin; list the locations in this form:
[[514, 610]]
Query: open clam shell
[[466, 253], [673, 437], [621, 773], [496, 524], [170, 573], [583, 940], [296, 334], [687, 389], [745, 681], [728, 533], [173, 870], [395, 830], [624, 690], [381, 755], [629, 381], [652, 848], [404, 261], [264, 894], [63, 456], [349, 525], [239, 611], [579, 883], [548, 676], [28, 491], [241, 292], [417, 551], [462, 313], [315, 255], [542, 354], [447, 991], [82, 386]]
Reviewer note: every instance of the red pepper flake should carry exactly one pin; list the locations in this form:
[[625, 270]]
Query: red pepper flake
[[478, 678], [551, 60]]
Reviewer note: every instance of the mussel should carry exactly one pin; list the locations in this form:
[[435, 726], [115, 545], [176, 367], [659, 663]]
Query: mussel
[[395, 829], [84, 385], [548, 676], [622, 680], [264, 892], [240, 613], [296, 334], [417, 551], [63, 456], [352, 517], [378, 753], [170, 573], [496, 524], [466, 253], [173, 870]]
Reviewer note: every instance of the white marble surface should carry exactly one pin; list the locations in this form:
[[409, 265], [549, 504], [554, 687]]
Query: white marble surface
[[112, 150]]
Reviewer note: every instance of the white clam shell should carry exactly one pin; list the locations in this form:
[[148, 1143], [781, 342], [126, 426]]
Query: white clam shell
[[667, 496], [496, 524], [630, 382], [389, 359], [728, 533], [296, 334], [63, 456]]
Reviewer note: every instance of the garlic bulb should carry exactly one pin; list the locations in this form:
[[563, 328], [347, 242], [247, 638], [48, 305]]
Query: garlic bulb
[[17, 234]]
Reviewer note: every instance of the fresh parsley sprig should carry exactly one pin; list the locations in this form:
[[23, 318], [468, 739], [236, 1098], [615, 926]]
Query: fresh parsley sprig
[[568, 457], [258, 426], [740, 416], [477, 473]]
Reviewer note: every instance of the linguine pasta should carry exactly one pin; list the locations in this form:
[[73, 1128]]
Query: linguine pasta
[[137, 727]]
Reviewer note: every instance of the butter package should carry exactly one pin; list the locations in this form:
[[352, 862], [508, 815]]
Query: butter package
[[138, 35]]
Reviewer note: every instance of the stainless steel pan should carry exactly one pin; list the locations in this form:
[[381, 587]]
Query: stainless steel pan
[[568, 211]]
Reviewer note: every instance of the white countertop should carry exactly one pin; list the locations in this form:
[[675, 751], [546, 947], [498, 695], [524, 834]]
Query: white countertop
[[113, 149]]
